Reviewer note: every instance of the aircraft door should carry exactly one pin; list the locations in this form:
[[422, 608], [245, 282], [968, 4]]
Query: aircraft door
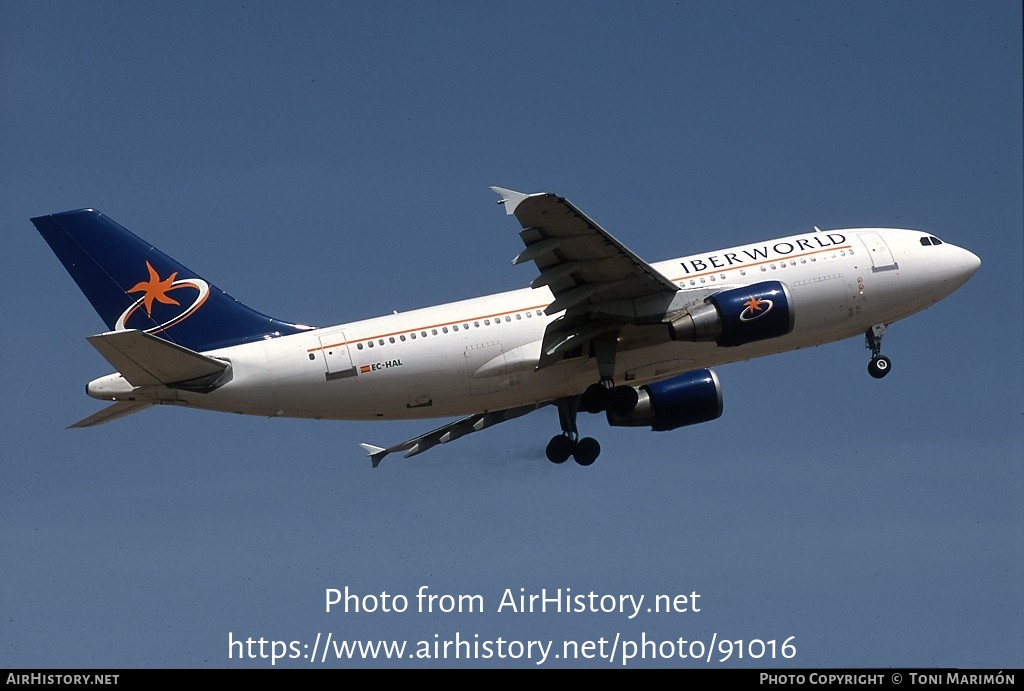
[[881, 256], [336, 356]]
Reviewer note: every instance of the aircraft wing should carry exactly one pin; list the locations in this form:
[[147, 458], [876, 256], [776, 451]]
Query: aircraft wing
[[449, 432], [579, 261], [599, 283]]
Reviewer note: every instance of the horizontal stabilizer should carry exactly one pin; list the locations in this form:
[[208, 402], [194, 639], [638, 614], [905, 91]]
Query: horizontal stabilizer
[[145, 360], [112, 412]]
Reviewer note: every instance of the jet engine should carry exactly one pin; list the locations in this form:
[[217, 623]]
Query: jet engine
[[737, 316], [686, 399]]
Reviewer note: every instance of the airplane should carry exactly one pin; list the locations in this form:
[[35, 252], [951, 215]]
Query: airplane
[[597, 330]]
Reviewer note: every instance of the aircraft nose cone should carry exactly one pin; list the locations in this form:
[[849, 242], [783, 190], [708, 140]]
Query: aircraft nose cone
[[972, 263], [968, 264], [964, 265]]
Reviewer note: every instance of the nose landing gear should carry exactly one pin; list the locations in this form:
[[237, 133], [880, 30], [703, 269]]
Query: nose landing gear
[[880, 364]]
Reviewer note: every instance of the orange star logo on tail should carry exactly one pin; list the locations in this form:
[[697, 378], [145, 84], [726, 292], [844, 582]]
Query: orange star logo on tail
[[155, 289]]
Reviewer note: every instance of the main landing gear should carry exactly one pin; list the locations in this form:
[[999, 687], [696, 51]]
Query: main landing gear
[[584, 451], [880, 364], [597, 398]]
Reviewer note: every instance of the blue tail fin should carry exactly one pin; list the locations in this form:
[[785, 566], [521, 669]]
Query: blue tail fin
[[133, 285]]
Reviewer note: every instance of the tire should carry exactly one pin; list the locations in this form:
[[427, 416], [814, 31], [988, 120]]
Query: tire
[[594, 399], [623, 400], [559, 448], [879, 366], [586, 452]]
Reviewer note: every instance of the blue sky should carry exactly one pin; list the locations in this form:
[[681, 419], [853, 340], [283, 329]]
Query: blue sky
[[325, 162]]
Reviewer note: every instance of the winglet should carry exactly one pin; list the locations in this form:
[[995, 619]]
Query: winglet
[[510, 199], [376, 453]]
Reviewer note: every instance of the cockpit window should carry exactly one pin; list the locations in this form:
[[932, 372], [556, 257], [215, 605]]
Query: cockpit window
[[935, 240], [930, 240]]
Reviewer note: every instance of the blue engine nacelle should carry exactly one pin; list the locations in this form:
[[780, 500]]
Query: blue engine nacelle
[[687, 399], [738, 316]]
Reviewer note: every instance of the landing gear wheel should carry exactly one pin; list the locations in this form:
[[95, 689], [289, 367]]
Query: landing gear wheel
[[560, 448], [595, 398], [879, 366], [587, 450], [623, 400]]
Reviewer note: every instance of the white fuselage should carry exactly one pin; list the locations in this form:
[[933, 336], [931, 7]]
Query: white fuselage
[[481, 354]]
